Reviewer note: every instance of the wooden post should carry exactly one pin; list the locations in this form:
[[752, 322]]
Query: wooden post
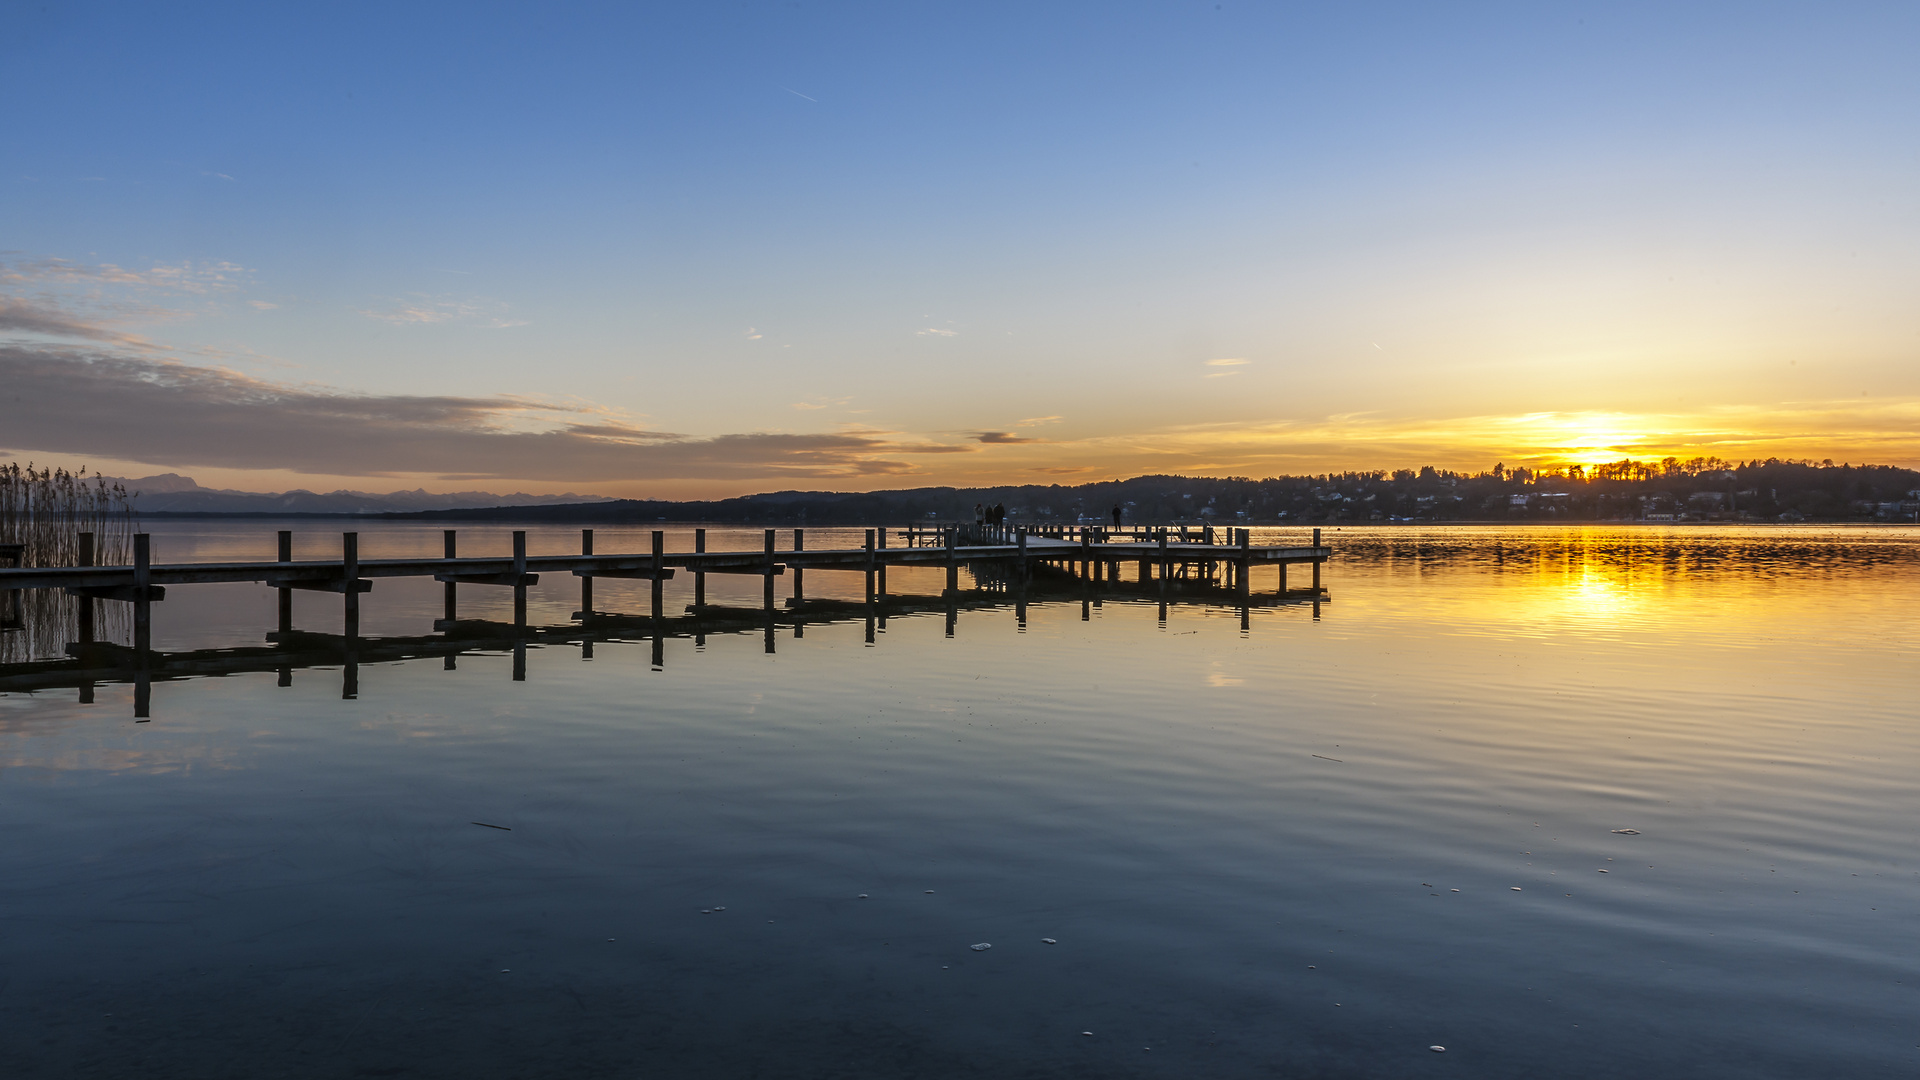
[[870, 571], [143, 577], [350, 631], [1316, 562], [83, 611], [880, 584], [1086, 557], [1163, 559], [586, 584], [799, 575], [953, 567], [768, 599], [659, 572], [699, 576], [449, 548], [1025, 568], [142, 624], [84, 605], [285, 598], [1246, 562], [519, 580], [350, 568]]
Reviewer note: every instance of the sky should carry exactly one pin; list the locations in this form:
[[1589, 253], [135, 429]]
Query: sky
[[688, 251]]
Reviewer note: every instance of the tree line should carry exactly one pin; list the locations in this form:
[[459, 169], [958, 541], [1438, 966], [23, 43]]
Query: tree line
[[1696, 489]]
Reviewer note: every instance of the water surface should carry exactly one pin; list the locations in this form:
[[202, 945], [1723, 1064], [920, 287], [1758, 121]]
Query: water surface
[[1314, 846]]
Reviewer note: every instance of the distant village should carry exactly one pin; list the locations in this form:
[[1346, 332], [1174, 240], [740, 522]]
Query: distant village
[[1699, 489]]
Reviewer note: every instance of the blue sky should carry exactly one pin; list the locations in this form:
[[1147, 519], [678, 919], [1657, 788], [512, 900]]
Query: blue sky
[[656, 250]]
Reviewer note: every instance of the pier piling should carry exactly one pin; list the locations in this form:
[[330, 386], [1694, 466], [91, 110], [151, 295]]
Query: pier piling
[[699, 576], [586, 581]]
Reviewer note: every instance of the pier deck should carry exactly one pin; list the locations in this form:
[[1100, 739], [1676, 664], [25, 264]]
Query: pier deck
[[308, 572]]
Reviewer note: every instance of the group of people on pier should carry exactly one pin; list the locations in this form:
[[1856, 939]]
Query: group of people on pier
[[990, 515]]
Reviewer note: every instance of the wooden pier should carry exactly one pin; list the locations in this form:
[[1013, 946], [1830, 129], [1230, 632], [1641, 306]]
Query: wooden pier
[[1009, 565]]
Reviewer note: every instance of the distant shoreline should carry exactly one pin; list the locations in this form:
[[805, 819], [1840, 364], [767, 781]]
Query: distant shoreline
[[535, 515]]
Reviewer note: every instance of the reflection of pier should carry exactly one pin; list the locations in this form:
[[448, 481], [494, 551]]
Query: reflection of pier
[[1082, 564]]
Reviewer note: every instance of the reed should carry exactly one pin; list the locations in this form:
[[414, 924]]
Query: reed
[[46, 510]]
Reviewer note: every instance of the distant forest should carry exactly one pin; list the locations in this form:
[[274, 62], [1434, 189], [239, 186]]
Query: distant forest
[[1699, 489]]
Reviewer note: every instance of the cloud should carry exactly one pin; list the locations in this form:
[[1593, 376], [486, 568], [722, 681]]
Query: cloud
[[753, 334], [1035, 421], [419, 313], [1001, 437], [428, 311], [1220, 374], [1229, 362], [198, 278], [936, 331], [27, 317], [263, 305], [179, 415]]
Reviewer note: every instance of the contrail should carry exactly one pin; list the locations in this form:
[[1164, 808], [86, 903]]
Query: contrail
[[797, 93]]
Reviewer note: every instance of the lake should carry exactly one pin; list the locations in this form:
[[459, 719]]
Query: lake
[[1594, 801]]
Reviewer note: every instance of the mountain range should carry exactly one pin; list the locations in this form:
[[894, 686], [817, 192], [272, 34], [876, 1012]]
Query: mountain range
[[171, 493]]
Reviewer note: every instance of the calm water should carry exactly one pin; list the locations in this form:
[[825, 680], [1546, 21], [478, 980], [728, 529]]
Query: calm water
[[1288, 850]]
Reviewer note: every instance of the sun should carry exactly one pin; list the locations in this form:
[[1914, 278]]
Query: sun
[[1586, 440]]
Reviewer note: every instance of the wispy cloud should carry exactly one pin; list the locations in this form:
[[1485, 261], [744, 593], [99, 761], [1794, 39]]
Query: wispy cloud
[[1036, 421], [753, 334], [1001, 438], [798, 94], [263, 305], [437, 313], [428, 311], [936, 331], [192, 277], [1232, 361]]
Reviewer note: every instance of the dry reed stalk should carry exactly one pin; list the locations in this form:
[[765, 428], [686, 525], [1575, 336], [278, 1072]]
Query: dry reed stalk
[[46, 510]]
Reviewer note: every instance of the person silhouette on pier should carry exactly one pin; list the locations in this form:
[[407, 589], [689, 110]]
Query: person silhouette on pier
[[1116, 515]]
